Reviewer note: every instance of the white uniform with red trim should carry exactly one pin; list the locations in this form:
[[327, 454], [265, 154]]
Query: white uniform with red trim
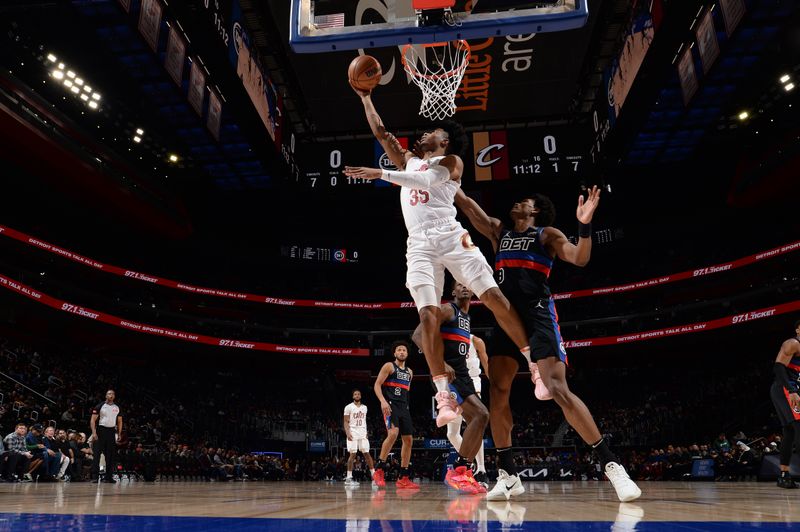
[[436, 240], [358, 428]]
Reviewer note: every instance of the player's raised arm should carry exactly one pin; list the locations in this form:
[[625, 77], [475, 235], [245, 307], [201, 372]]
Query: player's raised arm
[[397, 154], [485, 224], [564, 249]]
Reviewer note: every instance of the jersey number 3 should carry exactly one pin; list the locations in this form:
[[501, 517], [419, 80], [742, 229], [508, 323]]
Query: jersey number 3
[[419, 196]]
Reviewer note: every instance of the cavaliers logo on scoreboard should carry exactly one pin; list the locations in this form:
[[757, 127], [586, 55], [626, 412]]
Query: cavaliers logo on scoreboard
[[491, 155]]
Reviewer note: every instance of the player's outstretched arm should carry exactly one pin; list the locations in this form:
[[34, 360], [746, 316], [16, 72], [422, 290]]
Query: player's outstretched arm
[[397, 154], [485, 224], [557, 242], [423, 180]]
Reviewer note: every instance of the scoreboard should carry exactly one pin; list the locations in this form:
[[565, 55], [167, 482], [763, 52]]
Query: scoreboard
[[543, 154]]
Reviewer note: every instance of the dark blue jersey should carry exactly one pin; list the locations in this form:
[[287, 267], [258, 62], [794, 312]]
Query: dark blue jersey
[[397, 385], [456, 337], [522, 265]]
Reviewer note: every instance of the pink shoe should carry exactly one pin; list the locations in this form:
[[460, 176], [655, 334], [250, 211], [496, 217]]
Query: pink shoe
[[447, 408], [541, 392]]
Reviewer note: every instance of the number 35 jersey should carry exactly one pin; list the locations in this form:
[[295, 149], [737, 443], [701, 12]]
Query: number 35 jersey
[[424, 206]]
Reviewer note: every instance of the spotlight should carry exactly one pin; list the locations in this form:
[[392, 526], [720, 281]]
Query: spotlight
[[70, 74], [57, 74], [743, 115], [96, 96], [75, 89], [137, 139], [67, 83], [61, 66], [173, 158], [87, 88], [784, 78], [93, 105], [84, 98], [51, 58], [78, 81], [788, 87], [139, 131]]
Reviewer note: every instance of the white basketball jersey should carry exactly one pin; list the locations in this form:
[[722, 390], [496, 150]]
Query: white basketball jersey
[[421, 206], [473, 362], [358, 420]]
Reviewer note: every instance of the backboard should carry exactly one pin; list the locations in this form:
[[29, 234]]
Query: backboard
[[335, 25]]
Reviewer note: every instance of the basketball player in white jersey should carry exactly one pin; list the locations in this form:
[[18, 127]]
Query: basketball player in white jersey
[[476, 358], [430, 179], [355, 427]]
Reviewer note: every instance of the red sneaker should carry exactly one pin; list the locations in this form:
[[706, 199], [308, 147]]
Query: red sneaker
[[378, 481], [461, 479], [405, 483]]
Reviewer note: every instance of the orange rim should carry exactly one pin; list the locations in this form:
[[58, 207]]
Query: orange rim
[[408, 67]]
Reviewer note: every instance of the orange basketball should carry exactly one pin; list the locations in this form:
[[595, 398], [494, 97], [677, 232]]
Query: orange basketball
[[364, 72]]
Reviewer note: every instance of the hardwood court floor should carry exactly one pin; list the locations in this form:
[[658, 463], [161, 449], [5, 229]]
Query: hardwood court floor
[[321, 506]]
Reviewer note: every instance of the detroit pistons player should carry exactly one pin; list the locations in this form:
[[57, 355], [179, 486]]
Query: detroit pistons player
[[459, 353], [436, 240], [525, 254]]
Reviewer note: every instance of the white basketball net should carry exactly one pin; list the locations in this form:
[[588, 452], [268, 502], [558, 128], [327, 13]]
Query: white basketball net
[[437, 69]]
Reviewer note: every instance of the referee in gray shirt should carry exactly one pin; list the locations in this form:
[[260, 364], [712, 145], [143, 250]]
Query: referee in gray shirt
[[106, 424]]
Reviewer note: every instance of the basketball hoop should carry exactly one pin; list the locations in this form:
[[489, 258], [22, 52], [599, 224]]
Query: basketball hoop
[[437, 70]]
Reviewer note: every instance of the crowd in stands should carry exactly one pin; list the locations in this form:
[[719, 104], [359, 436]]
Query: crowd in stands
[[45, 405]]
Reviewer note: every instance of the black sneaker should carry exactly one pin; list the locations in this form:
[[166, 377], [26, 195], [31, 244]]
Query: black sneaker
[[481, 479], [787, 483]]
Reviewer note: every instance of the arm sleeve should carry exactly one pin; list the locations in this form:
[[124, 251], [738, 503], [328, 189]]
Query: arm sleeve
[[782, 377], [434, 175]]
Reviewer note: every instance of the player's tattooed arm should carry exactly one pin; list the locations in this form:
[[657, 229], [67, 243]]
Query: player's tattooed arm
[[389, 142], [485, 224]]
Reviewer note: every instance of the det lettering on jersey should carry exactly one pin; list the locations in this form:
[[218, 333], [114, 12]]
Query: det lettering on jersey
[[516, 244]]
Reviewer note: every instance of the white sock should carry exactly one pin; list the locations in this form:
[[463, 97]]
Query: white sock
[[526, 352], [372, 472], [480, 466], [454, 433], [349, 474], [440, 381]]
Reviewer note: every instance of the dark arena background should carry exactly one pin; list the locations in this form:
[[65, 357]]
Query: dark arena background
[[176, 225]]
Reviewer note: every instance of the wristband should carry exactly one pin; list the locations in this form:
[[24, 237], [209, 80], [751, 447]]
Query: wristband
[[584, 230]]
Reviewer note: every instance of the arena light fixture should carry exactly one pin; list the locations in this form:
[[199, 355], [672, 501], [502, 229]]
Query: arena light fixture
[[58, 74], [93, 104], [743, 115], [784, 78], [789, 86], [70, 74], [51, 58], [173, 158], [137, 139], [95, 96], [67, 83], [78, 81], [84, 97], [75, 89], [139, 131], [61, 66]]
